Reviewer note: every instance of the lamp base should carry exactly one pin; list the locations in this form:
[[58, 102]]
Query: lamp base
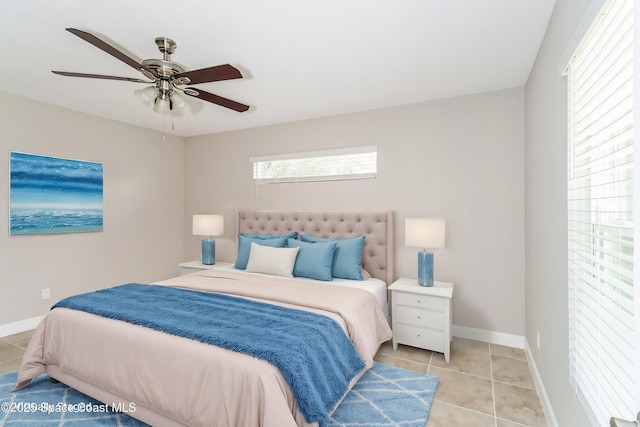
[[425, 268], [208, 251]]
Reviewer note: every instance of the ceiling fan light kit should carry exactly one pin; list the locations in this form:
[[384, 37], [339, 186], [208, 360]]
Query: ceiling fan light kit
[[166, 77]]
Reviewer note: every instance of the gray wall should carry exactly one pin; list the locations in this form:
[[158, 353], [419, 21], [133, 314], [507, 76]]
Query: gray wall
[[546, 212], [143, 208], [461, 159]]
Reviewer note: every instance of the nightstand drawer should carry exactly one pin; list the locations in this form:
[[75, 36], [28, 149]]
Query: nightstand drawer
[[420, 317], [420, 337], [420, 301]]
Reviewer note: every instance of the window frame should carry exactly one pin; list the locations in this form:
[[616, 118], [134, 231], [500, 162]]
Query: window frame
[[318, 154]]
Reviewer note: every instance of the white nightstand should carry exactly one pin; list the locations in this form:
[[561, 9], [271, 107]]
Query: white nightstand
[[421, 315], [193, 266]]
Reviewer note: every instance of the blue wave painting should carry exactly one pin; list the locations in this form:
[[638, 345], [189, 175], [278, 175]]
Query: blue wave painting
[[54, 195]]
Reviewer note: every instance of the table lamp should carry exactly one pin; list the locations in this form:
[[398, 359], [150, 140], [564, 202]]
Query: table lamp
[[208, 225], [426, 233]]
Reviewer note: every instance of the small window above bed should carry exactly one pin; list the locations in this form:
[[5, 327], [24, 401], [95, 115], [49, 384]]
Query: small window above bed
[[326, 165]]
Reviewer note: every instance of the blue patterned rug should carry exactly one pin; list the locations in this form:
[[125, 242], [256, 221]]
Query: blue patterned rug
[[384, 396]]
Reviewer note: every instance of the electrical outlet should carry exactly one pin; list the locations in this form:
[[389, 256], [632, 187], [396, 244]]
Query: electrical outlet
[[538, 339], [46, 293]]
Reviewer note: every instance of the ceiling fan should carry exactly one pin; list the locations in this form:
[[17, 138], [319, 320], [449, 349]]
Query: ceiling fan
[[166, 76]]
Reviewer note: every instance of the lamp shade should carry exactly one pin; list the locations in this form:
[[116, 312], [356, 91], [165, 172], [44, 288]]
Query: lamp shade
[[208, 225], [427, 233]]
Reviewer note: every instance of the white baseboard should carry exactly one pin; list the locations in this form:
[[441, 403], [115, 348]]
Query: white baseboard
[[542, 392], [20, 326], [492, 337]]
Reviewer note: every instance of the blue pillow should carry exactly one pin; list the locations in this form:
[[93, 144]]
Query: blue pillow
[[314, 260], [244, 247], [347, 258], [292, 235]]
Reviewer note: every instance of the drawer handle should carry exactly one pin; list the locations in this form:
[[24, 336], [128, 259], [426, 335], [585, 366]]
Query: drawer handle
[[419, 301], [418, 317]]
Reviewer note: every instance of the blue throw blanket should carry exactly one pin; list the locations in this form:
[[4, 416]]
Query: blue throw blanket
[[311, 351]]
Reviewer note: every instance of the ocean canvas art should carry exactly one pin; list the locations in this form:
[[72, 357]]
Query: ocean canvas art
[[54, 195]]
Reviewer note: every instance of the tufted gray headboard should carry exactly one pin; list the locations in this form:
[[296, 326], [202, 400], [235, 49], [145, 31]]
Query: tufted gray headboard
[[378, 253]]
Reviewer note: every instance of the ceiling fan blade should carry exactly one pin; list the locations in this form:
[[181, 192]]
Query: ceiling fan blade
[[211, 74], [210, 97], [90, 38], [100, 76]]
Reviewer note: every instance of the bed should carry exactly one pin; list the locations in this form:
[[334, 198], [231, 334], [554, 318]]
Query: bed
[[173, 380]]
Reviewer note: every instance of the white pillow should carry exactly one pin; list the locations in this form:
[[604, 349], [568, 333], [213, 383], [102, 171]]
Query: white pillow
[[278, 261]]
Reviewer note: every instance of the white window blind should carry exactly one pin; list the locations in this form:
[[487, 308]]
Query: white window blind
[[603, 353], [326, 165]]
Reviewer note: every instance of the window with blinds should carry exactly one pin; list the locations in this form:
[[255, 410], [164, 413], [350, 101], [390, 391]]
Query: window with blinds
[[327, 165], [603, 352]]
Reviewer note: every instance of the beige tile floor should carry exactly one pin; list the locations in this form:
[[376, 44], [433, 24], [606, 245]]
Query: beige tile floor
[[482, 385], [11, 350]]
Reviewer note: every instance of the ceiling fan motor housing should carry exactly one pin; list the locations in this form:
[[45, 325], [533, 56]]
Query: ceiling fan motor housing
[[161, 68]]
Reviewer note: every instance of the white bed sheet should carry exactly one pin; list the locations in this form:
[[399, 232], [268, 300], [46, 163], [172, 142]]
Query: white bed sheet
[[376, 286]]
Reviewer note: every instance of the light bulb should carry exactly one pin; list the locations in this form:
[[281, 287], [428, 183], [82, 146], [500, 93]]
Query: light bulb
[[149, 93], [161, 106], [178, 99], [146, 96]]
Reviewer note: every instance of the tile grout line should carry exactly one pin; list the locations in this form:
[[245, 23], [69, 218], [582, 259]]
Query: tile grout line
[[512, 422], [13, 345], [427, 364], [2, 362], [436, 390], [493, 389], [466, 409], [517, 385], [511, 358], [495, 417], [461, 372]]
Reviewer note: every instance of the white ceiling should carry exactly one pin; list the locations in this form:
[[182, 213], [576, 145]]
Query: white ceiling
[[301, 59]]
